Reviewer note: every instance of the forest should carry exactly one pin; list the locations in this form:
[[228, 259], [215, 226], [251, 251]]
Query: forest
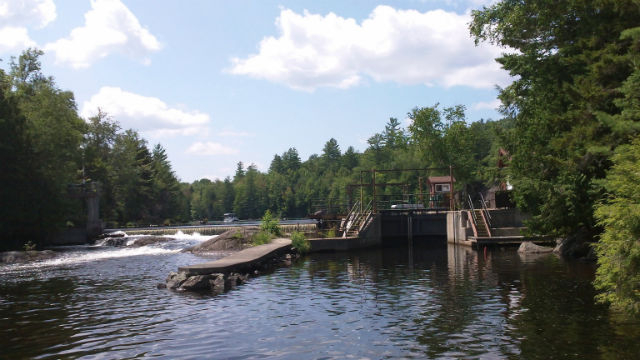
[[570, 122]]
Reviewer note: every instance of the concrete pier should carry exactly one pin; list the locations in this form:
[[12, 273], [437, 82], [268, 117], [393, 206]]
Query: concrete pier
[[242, 261]]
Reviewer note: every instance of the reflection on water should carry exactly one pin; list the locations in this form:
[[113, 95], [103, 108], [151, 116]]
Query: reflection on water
[[442, 302]]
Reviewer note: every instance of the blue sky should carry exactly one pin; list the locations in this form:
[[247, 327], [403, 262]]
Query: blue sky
[[217, 82]]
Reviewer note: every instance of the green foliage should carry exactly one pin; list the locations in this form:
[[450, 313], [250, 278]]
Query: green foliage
[[270, 224], [299, 242], [572, 102], [262, 237], [331, 233], [29, 246], [618, 274]]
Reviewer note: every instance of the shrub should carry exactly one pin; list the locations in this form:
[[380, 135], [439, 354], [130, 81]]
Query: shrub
[[261, 237], [299, 242], [270, 224], [331, 233]]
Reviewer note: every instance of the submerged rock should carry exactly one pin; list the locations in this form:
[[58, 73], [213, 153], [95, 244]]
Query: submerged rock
[[528, 247]]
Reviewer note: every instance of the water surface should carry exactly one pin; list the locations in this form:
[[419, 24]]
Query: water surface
[[420, 302]]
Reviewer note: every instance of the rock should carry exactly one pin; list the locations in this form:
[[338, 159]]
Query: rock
[[161, 286], [115, 241], [174, 280], [148, 240], [196, 283], [231, 240], [217, 283], [14, 257], [527, 247], [234, 279]]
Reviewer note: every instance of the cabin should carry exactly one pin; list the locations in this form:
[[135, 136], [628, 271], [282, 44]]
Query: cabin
[[439, 191]]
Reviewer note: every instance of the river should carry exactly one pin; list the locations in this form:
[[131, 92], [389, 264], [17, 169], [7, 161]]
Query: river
[[436, 302]]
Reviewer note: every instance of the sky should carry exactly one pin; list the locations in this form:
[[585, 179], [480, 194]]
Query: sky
[[218, 82]]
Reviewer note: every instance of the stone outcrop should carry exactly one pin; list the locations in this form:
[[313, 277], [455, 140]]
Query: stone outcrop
[[527, 247], [577, 246], [231, 240], [148, 240], [216, 283]]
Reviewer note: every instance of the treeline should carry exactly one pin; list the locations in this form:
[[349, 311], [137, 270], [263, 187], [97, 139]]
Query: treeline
[[292, 188], [45, 147]]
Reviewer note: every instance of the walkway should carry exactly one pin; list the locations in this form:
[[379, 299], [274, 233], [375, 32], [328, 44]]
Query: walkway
[[242, 260]]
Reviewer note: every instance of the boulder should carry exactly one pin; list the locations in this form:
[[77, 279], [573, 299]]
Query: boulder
[[174, 280], [527, 247], [217, 283], [115, 241], [148, 240], [234, 279], [231, 240], [196, 283]]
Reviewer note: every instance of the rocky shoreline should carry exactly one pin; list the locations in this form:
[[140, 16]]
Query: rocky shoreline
[[20, 257]]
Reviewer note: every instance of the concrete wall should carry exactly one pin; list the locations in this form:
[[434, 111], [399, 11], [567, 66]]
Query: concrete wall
[[458, 226], [368, 238]]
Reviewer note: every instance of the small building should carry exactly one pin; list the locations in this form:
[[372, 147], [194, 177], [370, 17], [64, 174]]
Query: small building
[[439, 190]]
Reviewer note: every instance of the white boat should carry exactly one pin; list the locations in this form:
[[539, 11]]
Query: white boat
[[230, 217]]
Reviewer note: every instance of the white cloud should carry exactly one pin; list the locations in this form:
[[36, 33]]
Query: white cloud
[[146, 114], [403, 46], [17, 16], [14, 39], [210, 148], [109, 27], [489, 105], [21, 13]]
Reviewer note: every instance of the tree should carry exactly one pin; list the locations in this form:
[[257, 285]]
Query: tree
[[100, 136], [393, 135], [20, 180], [291, 160], [132, 174], [55, 131], [618, 274], [164, 186], [331, 154], [571, 63]]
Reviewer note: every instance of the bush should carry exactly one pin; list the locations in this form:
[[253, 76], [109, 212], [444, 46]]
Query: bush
[[270, 224], [261, 237], [299, 242]]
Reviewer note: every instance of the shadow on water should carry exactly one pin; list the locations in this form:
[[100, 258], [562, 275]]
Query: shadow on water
[[445, 301]]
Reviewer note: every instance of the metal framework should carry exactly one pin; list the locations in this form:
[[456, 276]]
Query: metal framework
[[373, 184]]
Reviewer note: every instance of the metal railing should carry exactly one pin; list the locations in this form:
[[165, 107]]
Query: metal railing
[[473, 210], [485, 210]]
